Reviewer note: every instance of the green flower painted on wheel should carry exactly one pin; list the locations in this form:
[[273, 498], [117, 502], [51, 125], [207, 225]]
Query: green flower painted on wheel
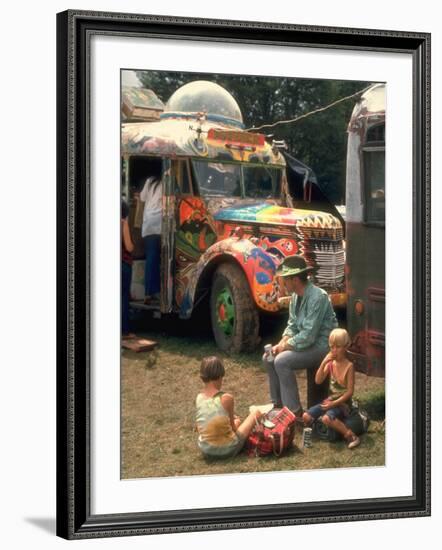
[[225, 309]]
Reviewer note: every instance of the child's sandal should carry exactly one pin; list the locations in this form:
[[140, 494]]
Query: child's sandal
[[354, 441]]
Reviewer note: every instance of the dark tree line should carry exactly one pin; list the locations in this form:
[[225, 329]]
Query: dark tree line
[[319, 140]]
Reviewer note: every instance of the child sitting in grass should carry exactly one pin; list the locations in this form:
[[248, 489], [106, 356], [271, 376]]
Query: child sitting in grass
[[336, 407], [221, 433]]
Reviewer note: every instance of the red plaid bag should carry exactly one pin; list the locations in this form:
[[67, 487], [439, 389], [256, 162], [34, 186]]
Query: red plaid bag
[[264, 440]]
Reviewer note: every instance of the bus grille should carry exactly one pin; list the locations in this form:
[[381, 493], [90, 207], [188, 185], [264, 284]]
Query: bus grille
[[327, 256], [325, 234]]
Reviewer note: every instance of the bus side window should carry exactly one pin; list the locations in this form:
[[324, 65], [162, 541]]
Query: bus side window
[[182, 180]]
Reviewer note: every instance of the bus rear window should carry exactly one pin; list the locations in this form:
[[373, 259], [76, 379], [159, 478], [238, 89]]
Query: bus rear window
[[376, 134]]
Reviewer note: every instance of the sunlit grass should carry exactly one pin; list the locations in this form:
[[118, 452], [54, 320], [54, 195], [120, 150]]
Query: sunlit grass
[[158, 436]]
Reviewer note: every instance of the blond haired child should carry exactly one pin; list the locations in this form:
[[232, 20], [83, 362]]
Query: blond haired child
[[221, 433], [336, 407]]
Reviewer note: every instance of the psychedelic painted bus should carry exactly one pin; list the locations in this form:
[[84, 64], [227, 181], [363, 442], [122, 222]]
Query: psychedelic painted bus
[[228, 217]]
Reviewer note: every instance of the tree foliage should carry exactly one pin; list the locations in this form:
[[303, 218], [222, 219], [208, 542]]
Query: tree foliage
[[319, 140]]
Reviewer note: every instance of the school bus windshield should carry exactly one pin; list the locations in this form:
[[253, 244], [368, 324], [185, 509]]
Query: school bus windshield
[[236, 180]]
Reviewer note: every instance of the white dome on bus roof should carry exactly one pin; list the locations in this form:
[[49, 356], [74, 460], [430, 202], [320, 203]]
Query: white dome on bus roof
[[204, 96]]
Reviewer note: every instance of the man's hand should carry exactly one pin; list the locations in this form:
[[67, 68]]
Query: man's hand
[[283, 345], [276, 349], [287, 347]]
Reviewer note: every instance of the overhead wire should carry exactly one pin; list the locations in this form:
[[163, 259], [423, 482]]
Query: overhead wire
[[305, 115]]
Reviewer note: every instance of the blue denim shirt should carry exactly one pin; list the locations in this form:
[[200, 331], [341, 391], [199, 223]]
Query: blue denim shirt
[[315, 320]]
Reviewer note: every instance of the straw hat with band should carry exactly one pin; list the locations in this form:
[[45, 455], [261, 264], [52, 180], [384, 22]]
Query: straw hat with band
[[293, 266]]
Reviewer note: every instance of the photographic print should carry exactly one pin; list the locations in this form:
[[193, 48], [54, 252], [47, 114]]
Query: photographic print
[[243, 274], [253, 273]]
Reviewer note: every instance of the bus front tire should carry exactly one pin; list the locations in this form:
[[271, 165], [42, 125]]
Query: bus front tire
[[235, 319]]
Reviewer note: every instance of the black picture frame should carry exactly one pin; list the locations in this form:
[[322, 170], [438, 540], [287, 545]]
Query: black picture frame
[[74, 518]]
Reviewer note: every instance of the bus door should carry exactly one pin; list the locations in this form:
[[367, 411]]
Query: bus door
[[190, 233], [137, 168], [167, 237], [373, 157], [366, 253]]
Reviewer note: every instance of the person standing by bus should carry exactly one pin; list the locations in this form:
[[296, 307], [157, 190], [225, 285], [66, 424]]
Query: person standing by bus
[[152, 195], [127, 248], [304, 342]]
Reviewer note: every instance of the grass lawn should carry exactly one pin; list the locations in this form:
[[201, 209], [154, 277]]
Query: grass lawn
[[158, 436]]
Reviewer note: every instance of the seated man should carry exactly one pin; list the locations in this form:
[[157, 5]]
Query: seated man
[[304, 343]]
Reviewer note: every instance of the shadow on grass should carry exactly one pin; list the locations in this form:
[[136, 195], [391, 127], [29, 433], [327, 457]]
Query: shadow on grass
[[194, 336], [244, 457], [374, 404]]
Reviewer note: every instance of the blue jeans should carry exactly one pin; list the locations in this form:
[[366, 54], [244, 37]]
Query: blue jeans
[[335, 413], [282, 379], [126, 277], [152, 254]]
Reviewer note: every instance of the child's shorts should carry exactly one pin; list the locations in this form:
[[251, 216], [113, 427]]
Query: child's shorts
[[335, 413], [224, 451]]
